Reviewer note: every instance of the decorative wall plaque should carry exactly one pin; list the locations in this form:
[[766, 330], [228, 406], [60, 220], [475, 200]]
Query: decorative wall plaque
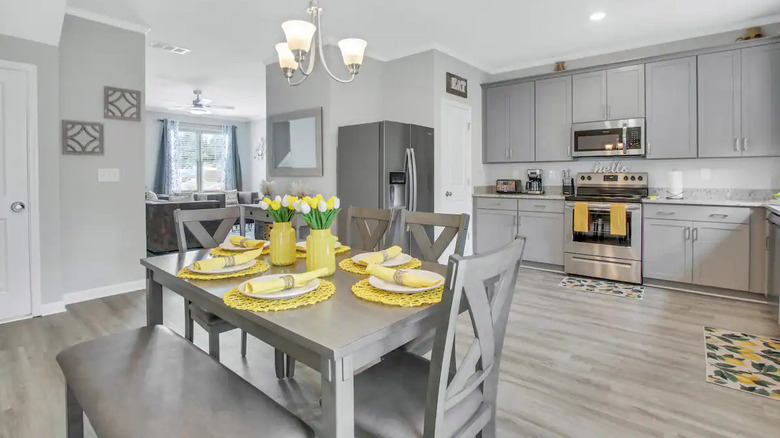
[[457, 85], [82, 138], [121, 104], [613, 167]]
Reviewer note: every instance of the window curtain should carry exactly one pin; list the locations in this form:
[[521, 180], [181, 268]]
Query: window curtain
[[168, 177], [232, 168]]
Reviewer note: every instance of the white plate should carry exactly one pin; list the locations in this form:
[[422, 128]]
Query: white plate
[[226, 245], [227, 269], [301, 246], [400, 259], [289, 293], [389, 286]]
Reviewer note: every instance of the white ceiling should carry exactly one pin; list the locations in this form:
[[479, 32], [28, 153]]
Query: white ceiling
[[35, 20], [231, 39]]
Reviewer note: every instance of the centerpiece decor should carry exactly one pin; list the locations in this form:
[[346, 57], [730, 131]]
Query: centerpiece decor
[[321, 244], [282, 234]]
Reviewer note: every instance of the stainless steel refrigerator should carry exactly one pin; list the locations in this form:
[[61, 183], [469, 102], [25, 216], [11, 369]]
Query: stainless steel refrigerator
[[384, 165]]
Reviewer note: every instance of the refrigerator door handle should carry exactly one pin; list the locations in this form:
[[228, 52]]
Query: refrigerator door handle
[[408, 186], [413, 203]]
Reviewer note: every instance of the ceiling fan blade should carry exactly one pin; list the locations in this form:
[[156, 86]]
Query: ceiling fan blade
[[205, 101], [179, 108], [224, 107]]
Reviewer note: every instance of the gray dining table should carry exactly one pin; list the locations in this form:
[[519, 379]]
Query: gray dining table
[[336, 337]]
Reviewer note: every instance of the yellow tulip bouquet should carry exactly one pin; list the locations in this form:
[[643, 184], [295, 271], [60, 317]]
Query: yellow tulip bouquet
[[317, 212], [280, 209]]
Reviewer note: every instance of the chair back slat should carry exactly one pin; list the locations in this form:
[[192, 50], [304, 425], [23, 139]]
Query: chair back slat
[[193, 221], [372, 225], [454, 225], [485, 285]]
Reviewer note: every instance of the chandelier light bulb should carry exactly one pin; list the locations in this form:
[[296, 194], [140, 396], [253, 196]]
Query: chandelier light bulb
[[352, 50], [299, 34]]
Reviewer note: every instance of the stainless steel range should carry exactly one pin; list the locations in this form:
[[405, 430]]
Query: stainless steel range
[[602, 243]]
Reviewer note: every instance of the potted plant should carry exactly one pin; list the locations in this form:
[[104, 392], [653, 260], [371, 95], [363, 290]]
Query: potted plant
[[282, 233], [320, 245]]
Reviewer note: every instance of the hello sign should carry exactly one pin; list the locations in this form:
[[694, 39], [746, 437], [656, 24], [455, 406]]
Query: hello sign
[[457, 85], [614, 167]]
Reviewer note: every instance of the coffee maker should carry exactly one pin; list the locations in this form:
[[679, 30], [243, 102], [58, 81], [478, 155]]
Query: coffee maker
[[534, 184]]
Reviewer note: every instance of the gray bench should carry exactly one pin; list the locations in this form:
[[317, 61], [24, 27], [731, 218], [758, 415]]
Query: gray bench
[[150, 382]]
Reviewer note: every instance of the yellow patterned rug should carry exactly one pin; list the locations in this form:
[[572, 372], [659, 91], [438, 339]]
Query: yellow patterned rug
[[605, 287], [743, 361]]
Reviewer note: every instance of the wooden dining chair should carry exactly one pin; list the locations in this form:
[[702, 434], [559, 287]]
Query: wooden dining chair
[[194, 221], [372, 225], [408, 395], [421, 226]]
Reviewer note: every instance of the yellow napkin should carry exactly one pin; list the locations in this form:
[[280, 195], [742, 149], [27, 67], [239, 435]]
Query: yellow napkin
[[381, 256], [243, 242], [617, 219], [404, 278], [581, 217], [222, 262], [261, 286]]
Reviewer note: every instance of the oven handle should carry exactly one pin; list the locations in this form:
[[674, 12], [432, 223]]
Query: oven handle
[[581, 259], [602, 207]]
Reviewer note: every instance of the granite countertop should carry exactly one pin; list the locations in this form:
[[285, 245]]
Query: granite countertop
[[773, 208], [718, 202], [519, 196]]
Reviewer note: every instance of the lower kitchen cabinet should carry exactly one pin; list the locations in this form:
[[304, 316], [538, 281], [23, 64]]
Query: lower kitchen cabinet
[[544, 237], [495, 228], [721, 255], [668, 250]]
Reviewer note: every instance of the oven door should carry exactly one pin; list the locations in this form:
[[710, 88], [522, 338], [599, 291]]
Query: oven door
[[598, 241], [610, 138]]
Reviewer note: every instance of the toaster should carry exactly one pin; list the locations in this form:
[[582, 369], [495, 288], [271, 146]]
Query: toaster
[[509, 186]]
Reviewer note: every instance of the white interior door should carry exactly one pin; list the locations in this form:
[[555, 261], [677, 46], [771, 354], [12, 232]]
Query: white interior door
[[15, 291], [455, 165]]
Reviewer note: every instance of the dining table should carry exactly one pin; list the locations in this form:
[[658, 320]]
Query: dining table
[[336, 337]]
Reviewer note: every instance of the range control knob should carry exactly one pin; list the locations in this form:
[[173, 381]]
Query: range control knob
[[633, 178], [640, 178], [625, 178], [582, 178], [589, 178]]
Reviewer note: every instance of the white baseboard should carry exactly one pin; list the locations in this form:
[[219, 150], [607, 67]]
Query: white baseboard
[[91, 294]]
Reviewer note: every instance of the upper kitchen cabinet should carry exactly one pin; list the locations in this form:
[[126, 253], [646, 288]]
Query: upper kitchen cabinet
[[761, 100], [553, 119], [626, 92], [720, 103], [496, 124], [671, 108], [509, 127], [589, 97]]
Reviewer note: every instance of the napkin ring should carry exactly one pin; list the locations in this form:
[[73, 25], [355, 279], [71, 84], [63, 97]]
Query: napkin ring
[[398, 277], [289, 281], [385, 255], [230, 261]]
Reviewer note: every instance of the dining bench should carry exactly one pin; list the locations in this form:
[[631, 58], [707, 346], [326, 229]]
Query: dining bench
[[151, 382]]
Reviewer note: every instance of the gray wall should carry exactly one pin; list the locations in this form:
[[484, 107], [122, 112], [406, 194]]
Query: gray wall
[[46, 58], [153, 132], [102, 224], [408, 89]]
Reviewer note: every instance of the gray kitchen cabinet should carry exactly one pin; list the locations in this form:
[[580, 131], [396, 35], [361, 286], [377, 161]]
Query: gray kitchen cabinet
[[553, 119], [721, 255], [544, 236], [494, 228], [720, 101], [761, 101], [497, 124], [671, 108], [589, 97], [521, 123], [668, 250], [626, 92]]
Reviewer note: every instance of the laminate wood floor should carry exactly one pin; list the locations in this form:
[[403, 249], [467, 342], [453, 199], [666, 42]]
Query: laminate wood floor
[[574, 364]]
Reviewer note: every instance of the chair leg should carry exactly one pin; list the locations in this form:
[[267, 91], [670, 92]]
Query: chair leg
[[188, 322], [214, 345], [243, 343], [279, 364], [290, 362], [74, 415]]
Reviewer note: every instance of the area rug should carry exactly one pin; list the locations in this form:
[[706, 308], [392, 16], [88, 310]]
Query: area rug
[[605, 287], [743, 361]]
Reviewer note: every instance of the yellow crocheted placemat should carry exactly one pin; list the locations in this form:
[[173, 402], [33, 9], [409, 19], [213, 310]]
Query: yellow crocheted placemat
[[219, 252], [362, 289], [340, 250], [237, 300], [349, 266], [259, 267]]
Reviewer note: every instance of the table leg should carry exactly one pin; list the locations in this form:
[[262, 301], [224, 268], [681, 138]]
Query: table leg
[[338, 398], [154, 304]]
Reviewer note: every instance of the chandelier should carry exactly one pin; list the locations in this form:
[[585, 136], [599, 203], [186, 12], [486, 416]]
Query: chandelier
[[299, 48]]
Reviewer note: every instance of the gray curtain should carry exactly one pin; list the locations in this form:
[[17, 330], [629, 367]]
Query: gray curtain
[[233, 180], [165, 181]]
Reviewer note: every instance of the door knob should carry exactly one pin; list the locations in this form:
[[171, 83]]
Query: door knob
[[448, 194], [18, 207]]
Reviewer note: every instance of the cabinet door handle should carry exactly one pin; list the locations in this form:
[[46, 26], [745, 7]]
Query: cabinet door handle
[[719, 215], [736, 144], [687, 233], [695, 234], [744, 144], [510, 153], [506, 153], [665, 213], [540, 206]]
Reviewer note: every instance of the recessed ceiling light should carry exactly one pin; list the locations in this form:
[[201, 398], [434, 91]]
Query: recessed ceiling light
[[597, 16]]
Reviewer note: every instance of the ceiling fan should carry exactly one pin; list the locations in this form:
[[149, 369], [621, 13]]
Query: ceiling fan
[[201, 106]]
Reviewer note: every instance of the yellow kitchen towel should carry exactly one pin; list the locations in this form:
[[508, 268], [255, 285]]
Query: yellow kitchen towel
[[617, 219], [404, 278], [222, 262], [243, 242], [380, 257], [581, 217], [262, 286]]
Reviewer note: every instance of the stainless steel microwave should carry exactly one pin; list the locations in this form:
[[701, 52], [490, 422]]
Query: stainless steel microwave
[[607, 139]]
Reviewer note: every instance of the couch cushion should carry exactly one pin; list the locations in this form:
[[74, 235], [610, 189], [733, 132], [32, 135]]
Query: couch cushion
[[231, 198]]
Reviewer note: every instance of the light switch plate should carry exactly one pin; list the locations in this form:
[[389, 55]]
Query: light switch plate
[[108, 175], [705, 174]]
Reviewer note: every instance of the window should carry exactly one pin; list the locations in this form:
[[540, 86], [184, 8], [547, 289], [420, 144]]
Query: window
[[202, 161]]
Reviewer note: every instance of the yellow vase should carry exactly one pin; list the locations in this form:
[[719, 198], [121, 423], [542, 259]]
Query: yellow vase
[[282, 244], [321, 251]]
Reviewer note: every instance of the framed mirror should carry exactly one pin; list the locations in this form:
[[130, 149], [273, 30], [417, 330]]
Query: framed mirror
[[295, 143]]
